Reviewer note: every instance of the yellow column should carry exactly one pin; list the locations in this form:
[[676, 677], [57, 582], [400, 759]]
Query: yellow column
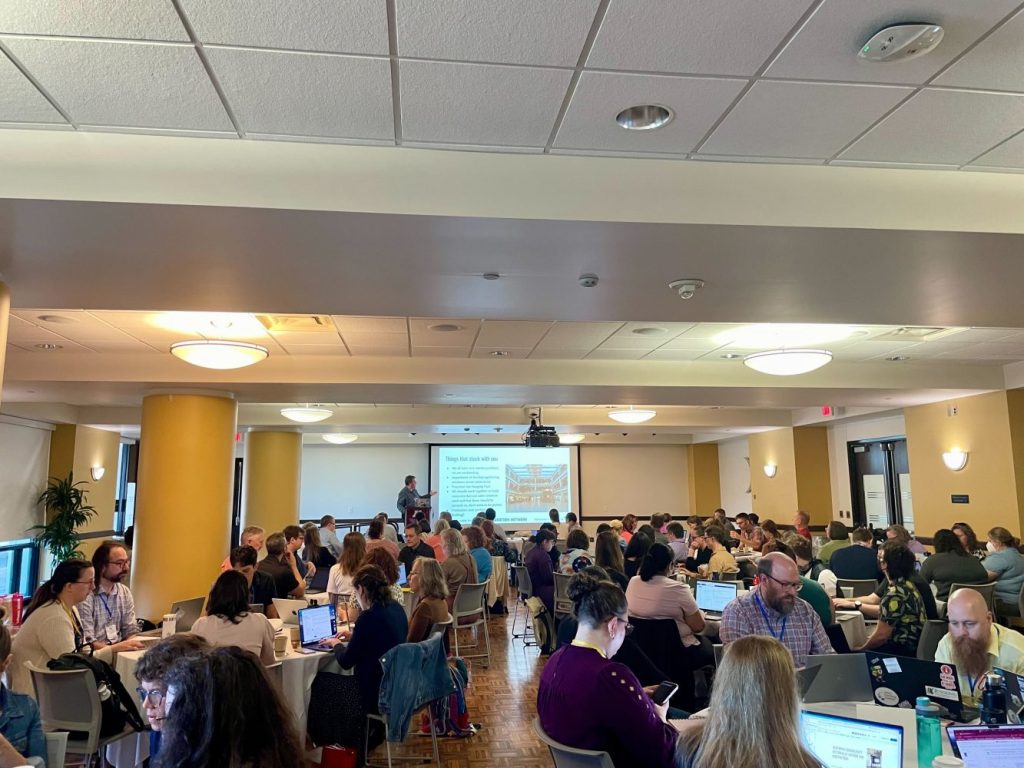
[[705, 484], [183, 504], [273, 462], [5, 311]]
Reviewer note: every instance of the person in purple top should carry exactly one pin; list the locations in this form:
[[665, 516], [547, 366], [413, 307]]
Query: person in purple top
[[626, 724], [542, 573]]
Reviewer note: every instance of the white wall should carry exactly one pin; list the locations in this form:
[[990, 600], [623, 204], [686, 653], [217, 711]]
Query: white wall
[[358, 481], [839, 462], [24, 462], [734, 474], [642, 479]]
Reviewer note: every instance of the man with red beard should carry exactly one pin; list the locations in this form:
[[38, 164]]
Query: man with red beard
[[975, 644]]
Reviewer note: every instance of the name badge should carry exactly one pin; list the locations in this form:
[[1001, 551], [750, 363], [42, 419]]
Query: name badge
[[111, 632]]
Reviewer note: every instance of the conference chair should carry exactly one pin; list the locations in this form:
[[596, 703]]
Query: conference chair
[[68, 701], [988, 591], [861, 587], [931, 634], [468, 612], [525, 592], [570, 757], [56, 748], [659, 639], [563, 605]]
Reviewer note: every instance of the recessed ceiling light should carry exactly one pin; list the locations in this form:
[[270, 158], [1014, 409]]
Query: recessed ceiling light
[[445, 327], [500, 353], [49, 346], [58, 319], [649, 331], [897, 358], [491, 276], [338, 438], [644, 117], [730, 356], [306, 414], [220, 355], [901, 42]]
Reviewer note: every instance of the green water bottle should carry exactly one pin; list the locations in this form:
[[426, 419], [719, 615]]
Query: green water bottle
[[929, 731]]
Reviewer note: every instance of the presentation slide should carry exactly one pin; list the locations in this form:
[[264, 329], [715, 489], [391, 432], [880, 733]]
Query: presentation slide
[[520, 484]]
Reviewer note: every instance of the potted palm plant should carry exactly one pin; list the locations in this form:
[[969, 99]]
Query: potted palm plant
[[66, 512]]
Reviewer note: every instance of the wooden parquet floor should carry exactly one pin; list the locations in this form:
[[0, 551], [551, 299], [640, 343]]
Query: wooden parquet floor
[[503, 698]]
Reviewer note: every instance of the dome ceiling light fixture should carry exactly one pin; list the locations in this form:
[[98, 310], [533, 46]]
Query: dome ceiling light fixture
[[901, 42], [306, 414], [571, 438], [632, 415], [788, 362], [339, 438], [218, 354]]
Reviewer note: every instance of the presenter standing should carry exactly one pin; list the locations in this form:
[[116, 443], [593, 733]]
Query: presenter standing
[[408, 497]]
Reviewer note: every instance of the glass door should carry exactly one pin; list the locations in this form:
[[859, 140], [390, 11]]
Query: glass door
[[880, 483]]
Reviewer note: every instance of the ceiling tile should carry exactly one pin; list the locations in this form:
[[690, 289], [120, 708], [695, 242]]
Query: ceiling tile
[[126, 19], [371, 339], [1009, 154], [505, 352], [356, 324], [320, 338], [709, 330], [424, 336], [599, 96], [473, 147], [937, 126], [306, 94], [316, 349], [339, 26], [974, 335], [674, 354], [524, 32], [63, 347], [479, 104], [553, 353], [121, 347], [83, 327], [572, 335], [20, 330], [865, 350], [502, 334], [20, 101], [135, 84], [726, 37], [890, 164], [996, 62], [380, 351], [603, 353], [801, 119], [826, 46], [751, 159], [687, 342], [440, 351]]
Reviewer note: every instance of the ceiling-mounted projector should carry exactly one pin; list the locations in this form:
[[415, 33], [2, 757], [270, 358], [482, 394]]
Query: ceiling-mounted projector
[[538, 436]]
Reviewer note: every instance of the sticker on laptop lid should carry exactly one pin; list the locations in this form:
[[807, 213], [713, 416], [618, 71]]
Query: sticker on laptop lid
[[946, 677], [892, 664], [941, 693], [887, 697]]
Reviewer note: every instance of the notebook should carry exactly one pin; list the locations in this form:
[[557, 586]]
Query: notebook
[[316, 625], [713, 596], [844, 742]]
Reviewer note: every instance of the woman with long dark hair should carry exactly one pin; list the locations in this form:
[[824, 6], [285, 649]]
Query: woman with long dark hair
[[636, 550], [608, 555], [314, 551], [222, 712], [951, 564], [51, 625], [339, 580], [228, 620]]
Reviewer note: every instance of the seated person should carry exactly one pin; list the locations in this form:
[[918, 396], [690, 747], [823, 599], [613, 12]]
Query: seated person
[[699, 552], [751, 536], [1005, 566], [576, 555], [904, 537], [801, 522], [753, 718], [951, 564], [608, 555], [280, 564], [262, 589], [339, 578], [252, 536], [389, 567], [228, 620], [969, 540], [975, 644], [654, 594], [809, 565], [901, 615], [773, 608], [635, 553], [476, 543], [428, 584], [721, 560], [151, 672], [375, 538], [677, 539], [838, 538], [414, 547], [206, 728], [459, 567], [21, 731], [869, 604], [626, 723], [434, 539], [859, 561], [313, 551]]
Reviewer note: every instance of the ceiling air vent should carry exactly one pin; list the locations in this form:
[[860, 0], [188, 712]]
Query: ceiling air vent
[[913, 333], [297, 323]]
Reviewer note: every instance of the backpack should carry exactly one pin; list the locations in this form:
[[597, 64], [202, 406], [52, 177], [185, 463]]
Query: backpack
[[116, 705]]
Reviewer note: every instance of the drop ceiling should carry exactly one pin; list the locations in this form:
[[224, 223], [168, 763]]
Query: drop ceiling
[[771, 81]]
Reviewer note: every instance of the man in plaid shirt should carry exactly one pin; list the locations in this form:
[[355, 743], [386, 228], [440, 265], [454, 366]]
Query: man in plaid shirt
[[773, 608]]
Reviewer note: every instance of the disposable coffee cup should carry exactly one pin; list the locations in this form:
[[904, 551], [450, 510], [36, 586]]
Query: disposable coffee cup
[[170, 624], [947, 761], [281, 642], [847, 592]]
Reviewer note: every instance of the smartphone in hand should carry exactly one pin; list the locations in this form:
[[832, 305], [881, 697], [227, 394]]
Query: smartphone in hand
[[664, 692]]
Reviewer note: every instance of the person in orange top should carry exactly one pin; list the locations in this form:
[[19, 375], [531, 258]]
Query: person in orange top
[[628, 527], [434, 540], [801, 521], [375, 539]]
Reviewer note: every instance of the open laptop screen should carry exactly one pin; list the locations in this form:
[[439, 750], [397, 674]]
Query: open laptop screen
[[402, 576], [715, 595], [986, 746], [316, 623], [843, 742]]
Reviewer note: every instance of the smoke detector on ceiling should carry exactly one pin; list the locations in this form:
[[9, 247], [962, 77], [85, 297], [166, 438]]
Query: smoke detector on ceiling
[[901, 42]]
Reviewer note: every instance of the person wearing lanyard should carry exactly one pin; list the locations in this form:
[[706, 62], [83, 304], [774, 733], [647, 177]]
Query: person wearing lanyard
[[51, 625], [108, 615], [975, 644], [774, 608]]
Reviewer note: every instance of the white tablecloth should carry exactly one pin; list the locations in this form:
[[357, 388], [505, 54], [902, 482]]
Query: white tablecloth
[[853, 626]]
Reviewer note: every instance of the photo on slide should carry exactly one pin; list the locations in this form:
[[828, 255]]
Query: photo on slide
[[533, 489]]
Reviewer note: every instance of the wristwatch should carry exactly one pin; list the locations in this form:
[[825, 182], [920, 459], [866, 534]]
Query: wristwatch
[[857, 604]]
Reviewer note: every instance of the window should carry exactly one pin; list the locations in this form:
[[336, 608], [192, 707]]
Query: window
[[19, 566], [124, 503]]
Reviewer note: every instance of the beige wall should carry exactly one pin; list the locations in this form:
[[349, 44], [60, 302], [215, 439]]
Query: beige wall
[[813, 479], [773, 497], [982, 428], [705, 489], [641, 479]]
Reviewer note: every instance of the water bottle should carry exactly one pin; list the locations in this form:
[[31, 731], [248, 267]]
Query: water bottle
[[993, 700], [17, 603], [929, 731]]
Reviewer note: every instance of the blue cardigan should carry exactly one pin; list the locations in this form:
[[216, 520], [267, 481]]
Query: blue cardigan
[[20, 724]]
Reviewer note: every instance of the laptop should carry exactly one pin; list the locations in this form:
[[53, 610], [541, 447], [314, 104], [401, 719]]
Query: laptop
[[187, 612], [403, 579], [897, 681], [713, 596], [316, 625], [842, 677], [288, 609], [988, 746], [1014, 696], [844, 742]]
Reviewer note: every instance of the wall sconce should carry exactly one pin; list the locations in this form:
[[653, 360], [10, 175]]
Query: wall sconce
[[955, 459], [97, 473], [770, 470]]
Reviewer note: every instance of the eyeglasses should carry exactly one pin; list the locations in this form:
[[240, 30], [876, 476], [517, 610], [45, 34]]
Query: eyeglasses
[[119, 563], [629, 627], [155, 695], [796, 586]]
